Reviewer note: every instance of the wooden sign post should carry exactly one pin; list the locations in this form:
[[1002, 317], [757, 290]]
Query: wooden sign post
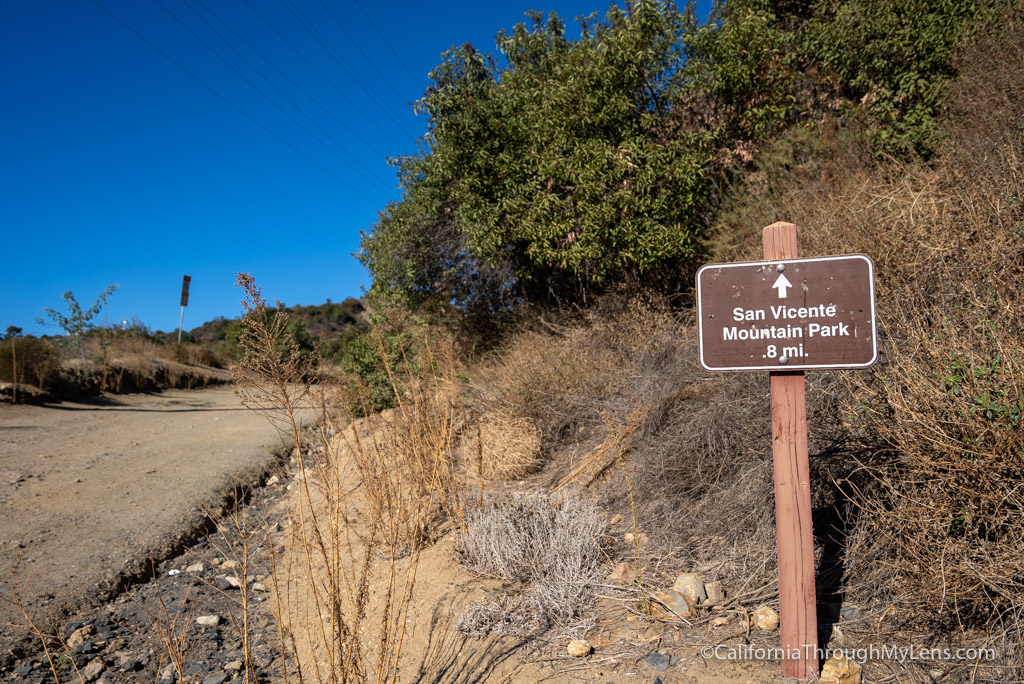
[[786, 315], [798, 616]]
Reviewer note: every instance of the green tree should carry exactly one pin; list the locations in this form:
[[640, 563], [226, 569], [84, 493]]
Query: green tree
[[77, 322], [552, 176], [579, 163]]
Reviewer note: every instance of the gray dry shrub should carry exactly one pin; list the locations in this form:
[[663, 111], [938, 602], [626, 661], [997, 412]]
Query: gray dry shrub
[[550, 546]]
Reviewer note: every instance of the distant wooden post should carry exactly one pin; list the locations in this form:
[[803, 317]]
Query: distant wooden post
[[797, 601]]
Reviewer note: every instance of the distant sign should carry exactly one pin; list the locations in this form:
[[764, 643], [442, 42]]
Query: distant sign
[[184, 289], [794, 314]]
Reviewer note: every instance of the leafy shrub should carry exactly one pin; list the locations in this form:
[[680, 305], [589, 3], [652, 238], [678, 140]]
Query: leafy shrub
[[895, 58], [597, 160], [742, 76], [378, 361], [78, 321]]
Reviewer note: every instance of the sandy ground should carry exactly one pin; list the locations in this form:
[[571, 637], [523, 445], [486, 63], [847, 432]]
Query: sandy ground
[[433, 650], [89, 493]]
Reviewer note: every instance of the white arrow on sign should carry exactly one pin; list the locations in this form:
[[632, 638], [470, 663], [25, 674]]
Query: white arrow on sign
[[782, 283]]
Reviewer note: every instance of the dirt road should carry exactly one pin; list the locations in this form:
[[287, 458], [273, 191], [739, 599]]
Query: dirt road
[[90, 492]]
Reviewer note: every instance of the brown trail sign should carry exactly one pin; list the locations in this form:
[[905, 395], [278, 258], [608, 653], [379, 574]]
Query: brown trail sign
[[787, 315]]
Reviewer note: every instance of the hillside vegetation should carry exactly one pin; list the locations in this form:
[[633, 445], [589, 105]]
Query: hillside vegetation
[[94, 358], [568, 190], [570, 166]]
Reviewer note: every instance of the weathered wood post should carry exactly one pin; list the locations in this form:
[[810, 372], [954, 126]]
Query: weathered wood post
[[786, 315], [798, 615]]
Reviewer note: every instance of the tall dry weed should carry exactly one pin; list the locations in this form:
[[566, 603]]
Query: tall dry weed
[[370, 496]]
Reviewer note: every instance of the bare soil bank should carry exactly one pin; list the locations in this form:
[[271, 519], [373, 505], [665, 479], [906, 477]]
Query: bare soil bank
[[91, 492]]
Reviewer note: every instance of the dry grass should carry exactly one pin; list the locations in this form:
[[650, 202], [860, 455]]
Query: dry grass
[[916, 464], [629, 417], [937, 518], [109, 360], [370, 497], [551, 548], [501, 445]]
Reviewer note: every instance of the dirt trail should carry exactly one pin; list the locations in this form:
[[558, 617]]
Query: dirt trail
[[90, 492]]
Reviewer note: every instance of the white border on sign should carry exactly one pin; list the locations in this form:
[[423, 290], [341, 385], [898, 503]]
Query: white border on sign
[[788, 367]]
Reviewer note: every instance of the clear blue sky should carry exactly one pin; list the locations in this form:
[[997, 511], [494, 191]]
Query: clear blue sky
[[116, 166]]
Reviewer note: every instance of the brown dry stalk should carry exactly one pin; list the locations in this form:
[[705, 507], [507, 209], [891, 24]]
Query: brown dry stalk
[[394, 477]]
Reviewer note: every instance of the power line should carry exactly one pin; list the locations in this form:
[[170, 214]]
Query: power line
[[356, 46], [260, 91], [359, 109], [340, 60], [353, 132], [369, 178], [390, 47], [232, 104]]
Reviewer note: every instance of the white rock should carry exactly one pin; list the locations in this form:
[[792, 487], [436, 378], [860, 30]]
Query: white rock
[[623, 572], [80, 636], [93, 670], [840, 670], [677, 606], [767, 619], [631, 538], [578, 648], [208, 620], [228, 582]]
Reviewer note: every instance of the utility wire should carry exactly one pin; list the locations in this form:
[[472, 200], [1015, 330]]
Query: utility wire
[[340, 60], [322, 75], [356, 46], [390, 47], [353, 132], [232, 104], [262, 92], [369, 176]]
